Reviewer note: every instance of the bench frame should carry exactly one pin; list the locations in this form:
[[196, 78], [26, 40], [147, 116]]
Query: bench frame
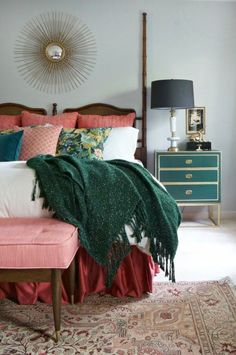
[[45, 275]]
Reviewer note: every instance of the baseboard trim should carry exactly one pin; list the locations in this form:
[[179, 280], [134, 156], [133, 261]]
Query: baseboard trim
[[197, 213], [228, 214]]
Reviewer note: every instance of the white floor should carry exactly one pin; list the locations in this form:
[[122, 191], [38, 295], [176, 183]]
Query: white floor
[[205, 252]]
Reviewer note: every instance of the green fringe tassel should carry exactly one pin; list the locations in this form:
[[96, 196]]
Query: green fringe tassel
[[34, 189]]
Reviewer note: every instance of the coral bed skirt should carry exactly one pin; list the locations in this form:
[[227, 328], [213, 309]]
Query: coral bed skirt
[[134, 278]]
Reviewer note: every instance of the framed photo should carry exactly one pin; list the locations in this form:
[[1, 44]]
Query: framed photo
[[195, 120]]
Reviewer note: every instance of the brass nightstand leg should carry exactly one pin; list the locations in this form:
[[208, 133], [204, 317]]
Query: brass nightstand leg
[[211, 214], [218, 214]]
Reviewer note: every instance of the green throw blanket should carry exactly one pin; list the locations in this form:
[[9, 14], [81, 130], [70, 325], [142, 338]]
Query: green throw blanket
[[100, 198]]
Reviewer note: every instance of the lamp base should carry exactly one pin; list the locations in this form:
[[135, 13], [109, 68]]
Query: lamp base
[[173, 147]]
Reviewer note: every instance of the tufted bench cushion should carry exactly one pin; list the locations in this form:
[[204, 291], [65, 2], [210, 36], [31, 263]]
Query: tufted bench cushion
[[29, 243], [38, 249]]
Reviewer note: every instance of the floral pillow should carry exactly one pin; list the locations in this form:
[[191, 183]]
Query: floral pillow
[[83, 143]]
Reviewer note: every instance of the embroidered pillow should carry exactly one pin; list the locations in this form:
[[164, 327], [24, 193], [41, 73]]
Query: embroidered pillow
[[83, 143], [66, 120], [39, 140], [93, 121], [9, 121], [10, 145]]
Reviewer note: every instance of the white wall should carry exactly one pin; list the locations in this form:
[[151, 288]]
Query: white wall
[[186, 40]]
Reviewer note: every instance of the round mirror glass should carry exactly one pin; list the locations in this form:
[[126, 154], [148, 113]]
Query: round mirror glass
[[55, 52]]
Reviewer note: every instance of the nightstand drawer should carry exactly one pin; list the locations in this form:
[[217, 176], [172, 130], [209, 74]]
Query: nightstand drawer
[[188, 160], [209, 192], [188, 175]]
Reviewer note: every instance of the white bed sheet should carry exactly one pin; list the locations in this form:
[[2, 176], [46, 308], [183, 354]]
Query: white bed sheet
[[16, 186]]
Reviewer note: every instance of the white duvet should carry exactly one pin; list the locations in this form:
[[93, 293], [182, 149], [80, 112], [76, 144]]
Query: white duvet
[[16, 186]]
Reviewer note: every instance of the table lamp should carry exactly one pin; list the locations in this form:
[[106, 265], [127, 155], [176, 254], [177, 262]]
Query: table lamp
[[172, 94]]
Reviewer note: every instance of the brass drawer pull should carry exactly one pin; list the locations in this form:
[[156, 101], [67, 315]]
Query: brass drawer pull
[[188, 161], [189, 176], [188, 192]]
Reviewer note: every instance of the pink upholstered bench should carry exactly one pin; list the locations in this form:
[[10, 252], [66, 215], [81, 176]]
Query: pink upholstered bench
[[38, 249]]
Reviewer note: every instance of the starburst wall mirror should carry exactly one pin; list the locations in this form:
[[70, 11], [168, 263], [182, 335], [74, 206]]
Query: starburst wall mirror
[[55, 52]]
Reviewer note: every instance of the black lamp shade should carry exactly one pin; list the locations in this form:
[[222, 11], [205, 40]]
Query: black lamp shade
[[173, 93]]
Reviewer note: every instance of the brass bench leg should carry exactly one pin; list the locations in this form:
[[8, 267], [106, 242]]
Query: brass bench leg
[[56, 300]]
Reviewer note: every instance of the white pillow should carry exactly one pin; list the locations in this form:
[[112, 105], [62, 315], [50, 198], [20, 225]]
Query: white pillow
[[121, 143]]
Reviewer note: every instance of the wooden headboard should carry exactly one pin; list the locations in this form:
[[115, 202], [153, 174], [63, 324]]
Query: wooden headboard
[[12, 108], [100, 109]]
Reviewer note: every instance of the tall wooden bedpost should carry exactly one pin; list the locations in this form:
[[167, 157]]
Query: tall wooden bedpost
[[54, 109], [144, 87]]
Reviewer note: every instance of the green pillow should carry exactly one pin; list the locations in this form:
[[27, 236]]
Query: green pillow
[[83, 143], [10, 146]]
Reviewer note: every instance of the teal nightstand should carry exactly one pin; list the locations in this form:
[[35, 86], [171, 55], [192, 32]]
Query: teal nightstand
[[193, 178]]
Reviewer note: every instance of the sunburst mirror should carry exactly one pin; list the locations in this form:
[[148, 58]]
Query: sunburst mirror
[[55, 52]]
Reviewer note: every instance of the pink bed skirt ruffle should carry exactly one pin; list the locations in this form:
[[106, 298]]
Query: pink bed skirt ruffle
[[134, 278]]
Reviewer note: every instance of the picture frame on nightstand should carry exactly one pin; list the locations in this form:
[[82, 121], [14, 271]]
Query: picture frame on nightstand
[[195, 120]]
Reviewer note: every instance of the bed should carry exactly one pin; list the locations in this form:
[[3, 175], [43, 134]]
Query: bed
[[135, 275], [137, 270]]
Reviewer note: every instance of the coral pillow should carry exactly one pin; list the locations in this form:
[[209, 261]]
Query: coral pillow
[[38, 140], [66, 120], [95, 121], [9, 121]]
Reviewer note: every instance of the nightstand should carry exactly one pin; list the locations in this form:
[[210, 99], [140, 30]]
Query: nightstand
[[193, 178]]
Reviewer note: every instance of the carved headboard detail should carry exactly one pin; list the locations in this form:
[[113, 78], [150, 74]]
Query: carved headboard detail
[[11, 108]]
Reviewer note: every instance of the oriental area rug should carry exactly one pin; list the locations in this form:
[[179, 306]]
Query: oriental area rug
[[182, 318]]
